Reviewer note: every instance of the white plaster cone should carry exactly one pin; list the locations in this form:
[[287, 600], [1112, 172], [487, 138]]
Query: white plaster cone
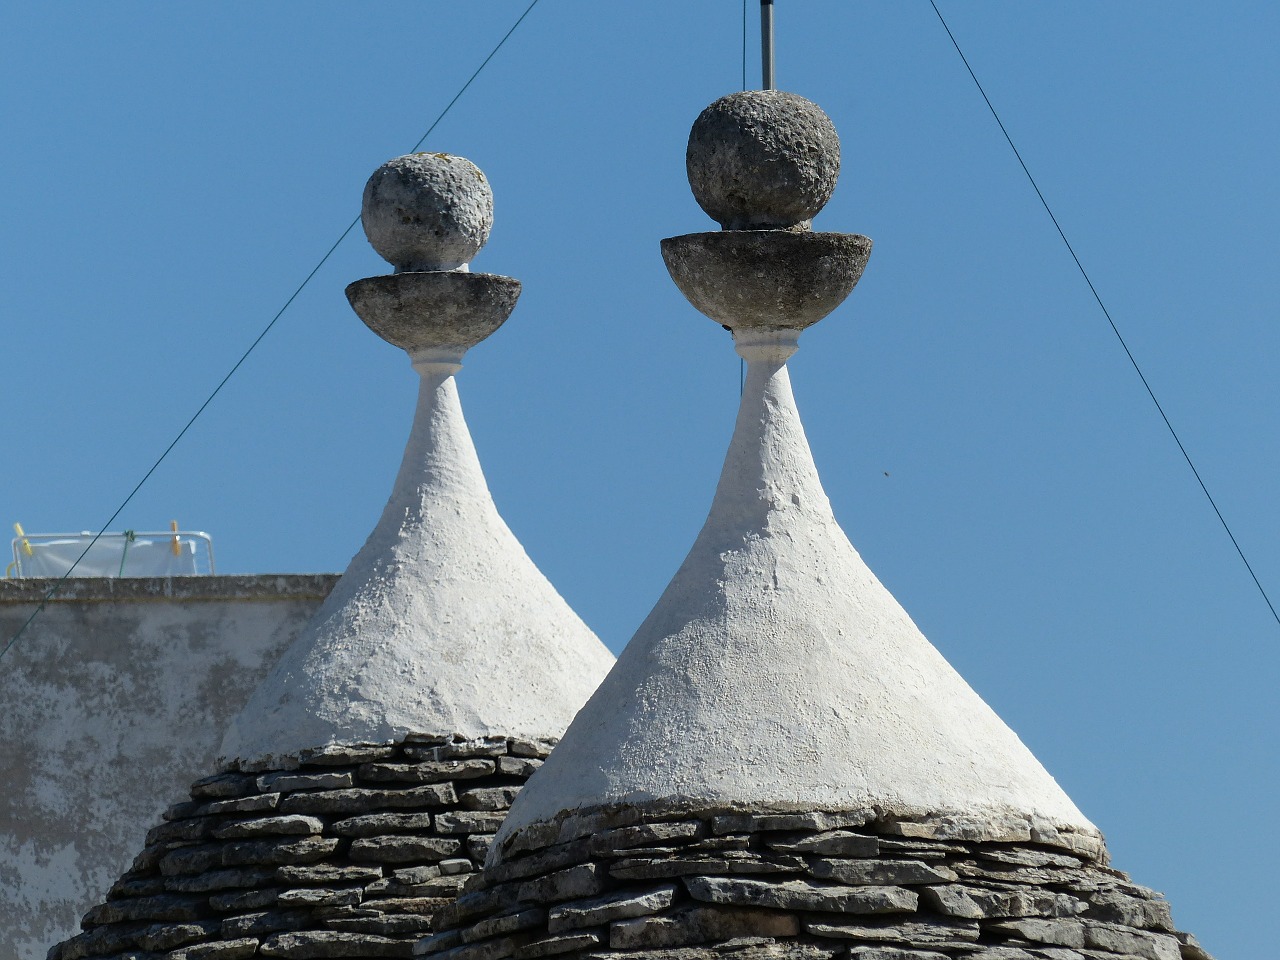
[[441, 624], [776, 673]]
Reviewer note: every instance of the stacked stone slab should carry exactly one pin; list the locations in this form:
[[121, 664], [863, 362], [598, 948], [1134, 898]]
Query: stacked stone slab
[[814, 886], [367, 775], [780, 765], [348, 854]]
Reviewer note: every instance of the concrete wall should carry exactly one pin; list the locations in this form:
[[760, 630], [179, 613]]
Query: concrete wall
[[114, 700]]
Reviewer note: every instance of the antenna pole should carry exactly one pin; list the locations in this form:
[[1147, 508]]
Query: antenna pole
[[766, 44]]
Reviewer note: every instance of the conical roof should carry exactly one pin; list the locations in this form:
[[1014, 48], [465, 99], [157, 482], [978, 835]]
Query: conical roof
[[776, 673], [780, 765], [441, 624], [368, 773]]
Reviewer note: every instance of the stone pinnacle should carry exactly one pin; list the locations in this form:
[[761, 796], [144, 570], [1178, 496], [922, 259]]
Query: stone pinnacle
[[428, 214], [762, 163]]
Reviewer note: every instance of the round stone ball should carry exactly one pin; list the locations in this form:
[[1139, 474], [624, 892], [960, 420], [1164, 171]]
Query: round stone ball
[[427, 211], [762, 159]]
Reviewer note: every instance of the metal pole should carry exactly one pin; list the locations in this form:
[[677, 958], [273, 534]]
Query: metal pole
[[766, 44]]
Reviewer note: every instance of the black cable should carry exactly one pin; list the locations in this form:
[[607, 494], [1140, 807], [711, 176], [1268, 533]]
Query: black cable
[[245, 356], [484, 63], [1107, 313]]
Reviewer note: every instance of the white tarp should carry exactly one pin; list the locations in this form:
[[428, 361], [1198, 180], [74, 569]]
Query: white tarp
[[111, 556]]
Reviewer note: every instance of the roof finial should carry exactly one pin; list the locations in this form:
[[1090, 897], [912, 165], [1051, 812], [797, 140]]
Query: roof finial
[[762, 163], [428, 214], [762, 159]]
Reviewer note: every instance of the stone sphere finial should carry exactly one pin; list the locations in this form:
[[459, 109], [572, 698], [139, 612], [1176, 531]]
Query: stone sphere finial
[[427, 212], [763, 160]]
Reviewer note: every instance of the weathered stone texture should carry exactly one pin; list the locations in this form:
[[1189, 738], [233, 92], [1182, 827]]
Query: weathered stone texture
[[762, 159], [349, 855], [611, 885], [427, 211], [332, 944], [403, 849], [601, 910]]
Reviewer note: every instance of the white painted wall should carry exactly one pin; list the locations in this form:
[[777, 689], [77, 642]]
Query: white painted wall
[[114, 702]]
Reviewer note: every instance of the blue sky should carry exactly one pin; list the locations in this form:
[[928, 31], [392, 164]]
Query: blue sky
[[170, 173]]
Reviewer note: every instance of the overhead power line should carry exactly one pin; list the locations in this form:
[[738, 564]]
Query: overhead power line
[[53, 590], [1106, 313]]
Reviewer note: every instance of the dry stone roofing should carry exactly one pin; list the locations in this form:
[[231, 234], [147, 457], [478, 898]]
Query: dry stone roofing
[[631, 883], [347, 855], [779, 767]]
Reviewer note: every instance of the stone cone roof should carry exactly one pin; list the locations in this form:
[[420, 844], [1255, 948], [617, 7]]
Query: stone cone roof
[[780, 767], [441, 624], [777, 674], [368, 772]]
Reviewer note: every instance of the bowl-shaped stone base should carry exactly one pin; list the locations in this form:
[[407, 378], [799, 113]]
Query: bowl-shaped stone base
[[416, 311], [766, 278]]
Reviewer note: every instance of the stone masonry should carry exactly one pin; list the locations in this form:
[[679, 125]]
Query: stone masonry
[[623, 885], [348, 855]]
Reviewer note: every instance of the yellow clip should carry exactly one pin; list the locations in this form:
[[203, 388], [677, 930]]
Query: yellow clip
[[26, 544], [177, 544]]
